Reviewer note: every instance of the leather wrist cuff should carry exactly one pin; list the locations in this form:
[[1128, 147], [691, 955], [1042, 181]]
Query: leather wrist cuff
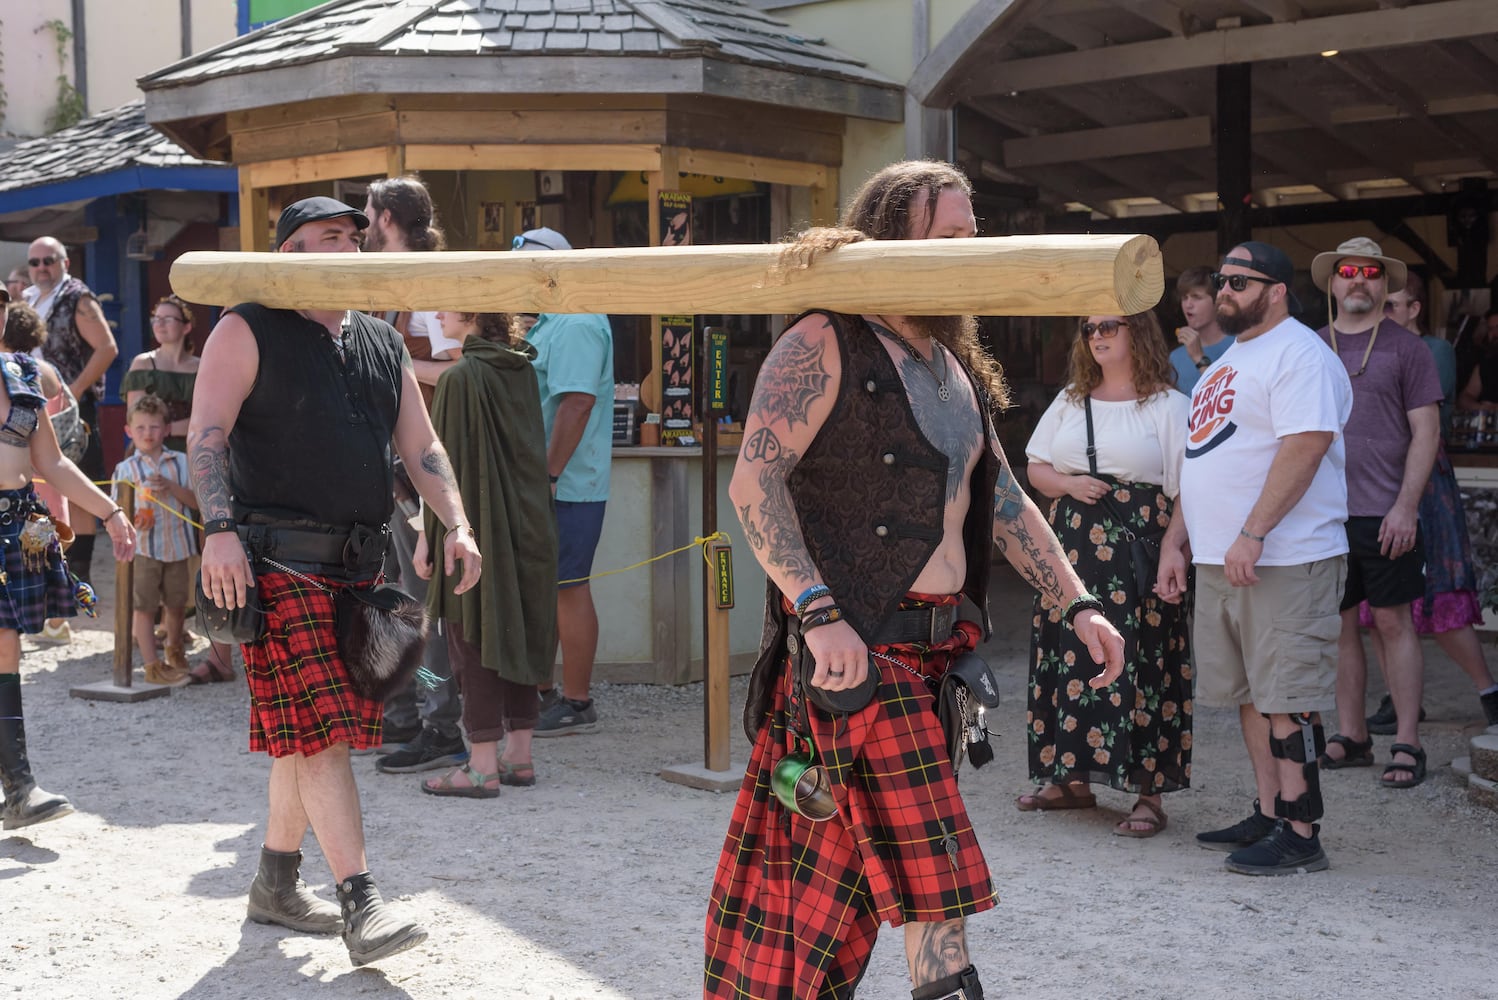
[[1078, 605], [822, 616], [219, 525]]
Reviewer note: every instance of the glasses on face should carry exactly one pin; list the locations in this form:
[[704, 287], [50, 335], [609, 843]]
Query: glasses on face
[[46, 261], [1107, 328], [164, 320], [1369, 271], [1237, 282]]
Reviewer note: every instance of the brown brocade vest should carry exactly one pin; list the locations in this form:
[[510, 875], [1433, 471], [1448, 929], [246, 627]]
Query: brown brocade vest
[[870, 493]]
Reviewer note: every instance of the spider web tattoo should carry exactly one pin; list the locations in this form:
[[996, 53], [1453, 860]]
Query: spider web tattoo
[[786, 389]]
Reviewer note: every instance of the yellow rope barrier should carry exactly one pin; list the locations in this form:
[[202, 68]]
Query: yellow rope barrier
[[701, 540]]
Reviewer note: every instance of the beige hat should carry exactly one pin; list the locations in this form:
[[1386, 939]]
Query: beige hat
[[1359, 246]]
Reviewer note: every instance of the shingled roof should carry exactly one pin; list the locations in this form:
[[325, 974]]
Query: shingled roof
[[114, 140], [722, 29]]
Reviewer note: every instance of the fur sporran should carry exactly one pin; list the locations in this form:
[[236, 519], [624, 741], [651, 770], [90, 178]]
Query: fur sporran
[[382, 634]]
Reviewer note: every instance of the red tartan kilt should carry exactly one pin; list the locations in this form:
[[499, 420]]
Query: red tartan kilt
[[795, 904], [300, 697]]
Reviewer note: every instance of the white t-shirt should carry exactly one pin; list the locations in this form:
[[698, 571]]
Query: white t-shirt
[[1136, 442], [1284, 381], [424, 324]]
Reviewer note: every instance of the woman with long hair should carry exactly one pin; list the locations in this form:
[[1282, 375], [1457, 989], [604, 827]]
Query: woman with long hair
[[1108, 453]]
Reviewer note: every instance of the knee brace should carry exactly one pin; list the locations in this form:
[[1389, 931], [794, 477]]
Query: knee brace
[[1303, 747], [962, 985]]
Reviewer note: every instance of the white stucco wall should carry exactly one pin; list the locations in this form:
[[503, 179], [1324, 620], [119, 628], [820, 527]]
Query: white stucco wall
[[30, 70]]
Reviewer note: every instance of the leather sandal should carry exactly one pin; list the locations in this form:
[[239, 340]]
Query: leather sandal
[[1153, 824], [518, 775], [1355, 753], [1417, 768], [444, 784], [1064, 798], [211, 670]]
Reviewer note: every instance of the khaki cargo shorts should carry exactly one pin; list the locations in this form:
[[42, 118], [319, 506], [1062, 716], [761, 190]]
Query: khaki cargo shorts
[[1273, 644]]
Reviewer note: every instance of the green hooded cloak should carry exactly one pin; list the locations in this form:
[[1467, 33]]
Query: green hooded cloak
[[487, 411]]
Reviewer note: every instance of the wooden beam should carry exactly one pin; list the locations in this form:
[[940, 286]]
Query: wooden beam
[[764, 169], [395, 161], [1011, 275], [515, 125], [824, 201], [978, 29], [1115, 140], [322, 167], [1379, 29], [425, 156], [254, 215]]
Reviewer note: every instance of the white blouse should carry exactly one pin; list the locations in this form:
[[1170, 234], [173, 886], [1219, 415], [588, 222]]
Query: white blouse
[[1136, 442]]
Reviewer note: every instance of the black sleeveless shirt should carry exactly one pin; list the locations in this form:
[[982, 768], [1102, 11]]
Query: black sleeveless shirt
[[311, 444]]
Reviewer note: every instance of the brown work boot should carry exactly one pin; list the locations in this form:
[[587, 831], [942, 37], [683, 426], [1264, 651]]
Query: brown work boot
[[160, 673], [176, 660], [279, 896], [370, 931]]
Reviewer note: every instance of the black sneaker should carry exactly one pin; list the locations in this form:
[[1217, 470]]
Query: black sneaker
[[1385, 721], [392, 738], [1283, 852], [1244, 833], [550, 697], [566, 717], [1490, 707], [430, 751]]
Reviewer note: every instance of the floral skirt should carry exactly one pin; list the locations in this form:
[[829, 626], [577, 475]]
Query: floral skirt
[[1134, 735]]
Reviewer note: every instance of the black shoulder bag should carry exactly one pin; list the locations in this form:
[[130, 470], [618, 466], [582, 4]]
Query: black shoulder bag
[[1144, 550]]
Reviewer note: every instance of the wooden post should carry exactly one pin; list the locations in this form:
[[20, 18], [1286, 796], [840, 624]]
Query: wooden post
[[254, 215], [824, 201], [119, 686]]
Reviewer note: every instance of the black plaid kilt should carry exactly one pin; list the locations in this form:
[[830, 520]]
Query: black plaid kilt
[[29, 597], [796, 905]]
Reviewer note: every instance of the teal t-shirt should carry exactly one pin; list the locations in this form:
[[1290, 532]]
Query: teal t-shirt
[[1186, 371], [575, 353]]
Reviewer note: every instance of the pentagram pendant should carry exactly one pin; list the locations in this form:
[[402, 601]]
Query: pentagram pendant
[[943, 393]]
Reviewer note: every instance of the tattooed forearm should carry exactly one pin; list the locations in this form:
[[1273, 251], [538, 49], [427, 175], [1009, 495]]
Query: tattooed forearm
[[939, 951], [208, 454], [784, 545], [434, 462], [1008, 498], [752, 534], [793, 377], [1038, 555]]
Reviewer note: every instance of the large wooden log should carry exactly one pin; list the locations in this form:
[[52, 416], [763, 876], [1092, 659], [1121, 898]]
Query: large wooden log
[[990, 276]]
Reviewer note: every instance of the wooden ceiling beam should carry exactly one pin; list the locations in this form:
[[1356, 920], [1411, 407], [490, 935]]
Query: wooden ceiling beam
[[978, 72]]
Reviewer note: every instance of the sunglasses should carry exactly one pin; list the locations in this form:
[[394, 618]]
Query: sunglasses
[[520, 241], [46, 261], [1369, 271], [1238, 282], [1107, 328]]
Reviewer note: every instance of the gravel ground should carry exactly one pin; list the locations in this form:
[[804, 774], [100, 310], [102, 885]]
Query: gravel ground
[[593, 883]]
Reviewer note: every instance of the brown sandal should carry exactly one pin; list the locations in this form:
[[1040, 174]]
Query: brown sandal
[[1152, 825], [211, 670], [1065, 798]]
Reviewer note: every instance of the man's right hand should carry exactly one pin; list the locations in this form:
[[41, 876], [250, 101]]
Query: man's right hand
[[1170, 583], [841, 657], [226, 571]]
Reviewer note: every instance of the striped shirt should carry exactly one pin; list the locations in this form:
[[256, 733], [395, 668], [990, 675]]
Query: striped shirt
[[160, 533]]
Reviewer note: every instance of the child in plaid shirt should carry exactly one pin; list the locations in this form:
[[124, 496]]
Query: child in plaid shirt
[[167, 540]]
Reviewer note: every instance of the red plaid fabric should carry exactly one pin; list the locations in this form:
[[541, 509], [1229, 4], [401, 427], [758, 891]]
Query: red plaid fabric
[[300, 697], [796, 905]]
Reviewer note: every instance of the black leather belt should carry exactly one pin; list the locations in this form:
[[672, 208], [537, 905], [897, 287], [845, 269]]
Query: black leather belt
[[264, 541], [927, 626]]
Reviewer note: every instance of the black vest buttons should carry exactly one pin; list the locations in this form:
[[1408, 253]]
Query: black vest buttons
[[888, 457], [871, 385], [881, 530]]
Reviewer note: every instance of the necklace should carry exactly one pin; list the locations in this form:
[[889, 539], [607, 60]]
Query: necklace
[[1367, 351], [943, 393]]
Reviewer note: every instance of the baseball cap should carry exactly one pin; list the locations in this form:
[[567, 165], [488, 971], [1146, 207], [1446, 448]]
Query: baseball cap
[[299, 213], [1269, 261], [544, 238]]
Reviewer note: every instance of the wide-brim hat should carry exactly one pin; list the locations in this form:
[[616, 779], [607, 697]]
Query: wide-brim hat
[[1395, 271]]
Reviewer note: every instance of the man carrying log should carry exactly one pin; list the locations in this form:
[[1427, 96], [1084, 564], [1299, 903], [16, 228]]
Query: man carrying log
[[868, 485], [290, 439]]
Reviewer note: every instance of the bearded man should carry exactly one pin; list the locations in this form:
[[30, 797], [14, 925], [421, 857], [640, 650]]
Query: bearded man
[[869, 485]]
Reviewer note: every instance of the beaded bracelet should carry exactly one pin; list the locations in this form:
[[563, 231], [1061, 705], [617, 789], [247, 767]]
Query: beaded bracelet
[[1083, 602], [815, 592], [822, 616]]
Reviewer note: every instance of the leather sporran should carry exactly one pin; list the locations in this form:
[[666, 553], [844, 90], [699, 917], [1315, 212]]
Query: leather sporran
[[966, 693], [834, 702], [232, 627], [382, 634]]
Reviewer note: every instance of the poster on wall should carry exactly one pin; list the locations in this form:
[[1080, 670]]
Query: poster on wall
[[492, 232], [526, 217], [676, 219], [677, 335]]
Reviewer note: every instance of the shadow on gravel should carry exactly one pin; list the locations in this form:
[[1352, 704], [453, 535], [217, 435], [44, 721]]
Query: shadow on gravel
[[229, 979], [26, 856]]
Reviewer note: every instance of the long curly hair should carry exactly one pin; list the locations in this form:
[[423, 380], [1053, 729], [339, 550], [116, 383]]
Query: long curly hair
[[1149, 361], [899, 203]]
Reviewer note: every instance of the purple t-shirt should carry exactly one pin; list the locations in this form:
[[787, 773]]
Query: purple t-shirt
[[1401, 376]]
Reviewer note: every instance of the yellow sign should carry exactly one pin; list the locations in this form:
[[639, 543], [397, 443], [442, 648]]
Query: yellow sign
[[723, 576]]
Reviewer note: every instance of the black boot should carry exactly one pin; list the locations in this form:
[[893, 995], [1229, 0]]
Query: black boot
[[370, 931], [25, 803], [1490, 707], [962, 985], [279, 896]]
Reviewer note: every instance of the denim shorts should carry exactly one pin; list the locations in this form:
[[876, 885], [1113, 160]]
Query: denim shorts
[[579, 526]]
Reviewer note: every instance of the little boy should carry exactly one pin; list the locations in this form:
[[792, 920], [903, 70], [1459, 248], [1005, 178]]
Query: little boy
[[165, 541]]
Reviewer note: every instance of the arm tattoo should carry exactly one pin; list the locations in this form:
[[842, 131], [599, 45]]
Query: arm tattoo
[[942, 952], [208, 454], [1037, 558], [787, 388], [1008, 498], [752, 534], [434, 462], [784, 545]]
